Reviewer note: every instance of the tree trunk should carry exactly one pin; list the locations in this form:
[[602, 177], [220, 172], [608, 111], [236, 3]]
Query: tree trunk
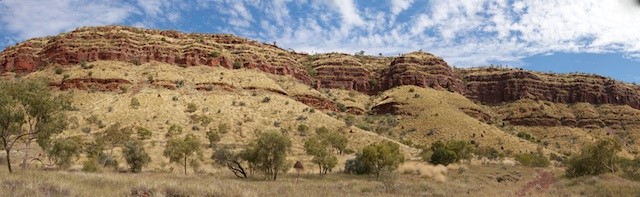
[[8, 160], [185, 165], [25, 161], [275, 175]]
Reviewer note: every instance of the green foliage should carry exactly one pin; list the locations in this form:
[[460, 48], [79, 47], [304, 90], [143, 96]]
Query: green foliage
[[349, 120], [29, 111], [233, 161], [174, 130], [213, 137], [302, 129], [268, 153], [373, 82], [135, 155], [115, 135], [341, 107], [631, 168], [266, 99], [533, 159], [63, 151], [380, 157], [214, 54], [319, 149], [594, 159], [184, 151], [143, 133], [90, 165], [191, 107], [59, 70], [447, 153], [336, 141], [357, 166], [135, 103], [223, 128], [488, 152], [237, 64]]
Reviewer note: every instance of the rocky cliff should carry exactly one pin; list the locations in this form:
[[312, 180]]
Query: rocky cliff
[[495, 86], [421, 69], [366, 74], [139, 46]]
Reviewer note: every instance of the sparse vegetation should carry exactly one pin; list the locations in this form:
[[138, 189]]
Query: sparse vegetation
[[376, 158], [191, 107], [135, 103], [594, 159], [268, 153], [135, 155], [184, 151], [447, 153]]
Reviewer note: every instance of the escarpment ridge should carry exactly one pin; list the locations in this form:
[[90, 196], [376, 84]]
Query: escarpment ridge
[[367, 74]]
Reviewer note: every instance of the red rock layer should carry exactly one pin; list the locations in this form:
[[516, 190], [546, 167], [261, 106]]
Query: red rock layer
[[494, 86], [342, 71], [421, 69], [316, 102], [93, 84], [138, 46]]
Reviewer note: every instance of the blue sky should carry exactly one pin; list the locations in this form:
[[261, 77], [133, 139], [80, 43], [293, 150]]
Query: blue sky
[[594, 36]]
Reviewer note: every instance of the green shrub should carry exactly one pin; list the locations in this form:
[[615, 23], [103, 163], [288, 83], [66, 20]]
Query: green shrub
[[631, 168], [136, 156], [90, 165], [174, 130], [223, 128], [378, 158], [594, 159], [214, 54], [302, 130], [356, 166], [266, 99], [533, 159], [447, 153], [59, 70], [268, 153], [135, 103], [64, 151], [237, 64], [191, 107], [143, 133], [341, 107]]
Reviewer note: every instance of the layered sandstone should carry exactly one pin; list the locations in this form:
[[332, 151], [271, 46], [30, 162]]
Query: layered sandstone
[[495, 86], [421, 69], [342, 71], [139, 46]]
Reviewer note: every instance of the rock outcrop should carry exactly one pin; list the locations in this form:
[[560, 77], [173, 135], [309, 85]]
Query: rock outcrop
[[495, 86], [342, 71], [92, 84], [421, 69], [139, 46], [365, 74]]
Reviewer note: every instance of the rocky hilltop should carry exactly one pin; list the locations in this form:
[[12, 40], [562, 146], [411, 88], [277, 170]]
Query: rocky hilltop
[[365, 74]]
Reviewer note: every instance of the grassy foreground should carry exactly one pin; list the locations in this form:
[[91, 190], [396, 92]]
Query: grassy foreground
[[410, 180]]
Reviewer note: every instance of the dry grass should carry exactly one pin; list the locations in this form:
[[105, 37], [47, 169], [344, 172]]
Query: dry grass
[[413, 179], [437, 115]]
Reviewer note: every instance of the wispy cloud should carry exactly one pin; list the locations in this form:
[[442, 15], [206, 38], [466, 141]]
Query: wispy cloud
[[33, 18], [464, 32]]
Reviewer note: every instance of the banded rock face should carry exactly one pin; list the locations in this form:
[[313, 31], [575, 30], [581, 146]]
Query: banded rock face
[[365, 74], [421, 69], [134, 45], [495, 86], [342, 71]]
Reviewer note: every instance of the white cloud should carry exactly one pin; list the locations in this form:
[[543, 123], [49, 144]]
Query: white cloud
[[398, 6], [33, 18], [464, 32]]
